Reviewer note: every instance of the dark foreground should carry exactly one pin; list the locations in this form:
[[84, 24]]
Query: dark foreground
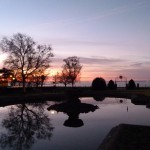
[[74, 114], [16, 95], [127, 137]]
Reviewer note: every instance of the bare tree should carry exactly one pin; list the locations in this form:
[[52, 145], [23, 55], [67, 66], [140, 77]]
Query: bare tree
[[25, 56], [38, 77], [64, 78], [56, 79], [71, 69], [61, 78], [24, 125]]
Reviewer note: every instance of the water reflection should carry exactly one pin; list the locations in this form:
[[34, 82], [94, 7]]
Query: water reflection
[[73, 110], [102, 98], [98, 98], [25, 124]]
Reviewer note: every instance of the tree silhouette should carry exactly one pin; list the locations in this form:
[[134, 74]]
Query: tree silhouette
[[71, 70], [25, 56], [131, 84], [6, 76], [56, 79], [99, 84], [64, 78], [111, 85], [25, 124], [38, 77], [61, 78]]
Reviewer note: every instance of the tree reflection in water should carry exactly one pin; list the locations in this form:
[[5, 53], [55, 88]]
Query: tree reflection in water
[[25, 124]]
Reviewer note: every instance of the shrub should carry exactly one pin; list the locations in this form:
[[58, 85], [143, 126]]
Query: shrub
[[111, 85], [98, 98], [99, 84], [131, 84]]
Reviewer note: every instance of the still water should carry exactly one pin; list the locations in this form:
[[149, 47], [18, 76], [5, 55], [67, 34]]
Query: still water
[[57, 126]]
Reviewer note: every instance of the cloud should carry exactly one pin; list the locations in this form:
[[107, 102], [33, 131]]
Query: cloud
[[137, 73], [140, 64], [69, 41], [118, 10], [99, 16], [109, 68], [137, 64], [101, 60], [92, 60]]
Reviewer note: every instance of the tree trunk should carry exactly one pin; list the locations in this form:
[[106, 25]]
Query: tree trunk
[[42, 84], [72, 84], [24, 85]]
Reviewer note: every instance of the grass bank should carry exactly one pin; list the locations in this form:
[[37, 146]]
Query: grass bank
[[61, 93]]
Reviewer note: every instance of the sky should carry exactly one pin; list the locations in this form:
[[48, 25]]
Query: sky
[[111, 37]]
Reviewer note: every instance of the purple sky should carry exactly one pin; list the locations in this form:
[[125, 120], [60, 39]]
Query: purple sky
[[111, 37]]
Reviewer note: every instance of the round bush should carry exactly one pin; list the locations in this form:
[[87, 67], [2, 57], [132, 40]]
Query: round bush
[[98, 98], [131, 84], [99, 84], [111, 85]]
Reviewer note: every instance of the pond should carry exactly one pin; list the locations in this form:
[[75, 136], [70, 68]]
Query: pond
[[59, 125]]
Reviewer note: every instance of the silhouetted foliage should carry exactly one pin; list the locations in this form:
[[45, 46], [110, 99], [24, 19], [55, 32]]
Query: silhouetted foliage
[[61, 78], [98, 98], [111, 85], [71, 70], [6, 73], [24, 125], [25, 57], [99, 84], [131, 84], [64, 78], [6, 76], [56, 79], [138, 85]]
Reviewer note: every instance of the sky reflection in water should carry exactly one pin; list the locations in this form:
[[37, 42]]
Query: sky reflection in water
[[32, 126]]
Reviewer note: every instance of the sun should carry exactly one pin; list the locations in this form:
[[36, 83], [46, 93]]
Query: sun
[[53, 71]]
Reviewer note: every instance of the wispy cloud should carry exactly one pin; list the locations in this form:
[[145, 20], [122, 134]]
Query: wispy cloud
[[119, 10], [130, 6], [97, 61], [140, 64], [109, 68], [102, 60], [67, 41]]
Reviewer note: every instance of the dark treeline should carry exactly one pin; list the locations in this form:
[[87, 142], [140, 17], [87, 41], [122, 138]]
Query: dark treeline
[[28, 62], [100, 84]]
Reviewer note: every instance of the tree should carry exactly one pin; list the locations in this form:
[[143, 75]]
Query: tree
[[61, 78], [131, 84], [6, 76], [56, 79], [24, 125], [64, 78], [25, 56], [38, 77], [111, 85], [99, 84], [71, 70]]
